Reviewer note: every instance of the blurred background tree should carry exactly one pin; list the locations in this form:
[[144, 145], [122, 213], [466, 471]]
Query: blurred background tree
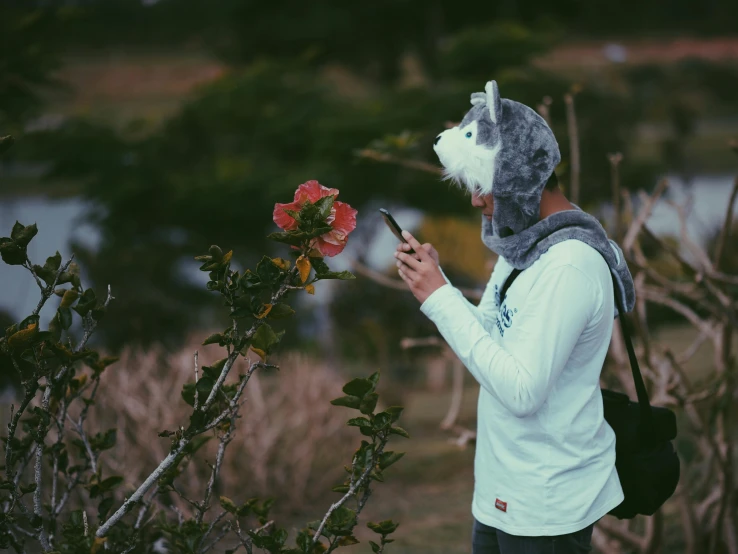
[[296, 97], [156, 128]]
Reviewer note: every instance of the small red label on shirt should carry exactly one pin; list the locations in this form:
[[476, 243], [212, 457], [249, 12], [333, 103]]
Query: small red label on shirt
[[500, 505]]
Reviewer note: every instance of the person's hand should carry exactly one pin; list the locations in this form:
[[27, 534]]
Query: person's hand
[[420, 272], [405, 247]]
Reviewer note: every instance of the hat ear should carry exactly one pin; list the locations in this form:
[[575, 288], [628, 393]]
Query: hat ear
[[493, 100], [478, 98]]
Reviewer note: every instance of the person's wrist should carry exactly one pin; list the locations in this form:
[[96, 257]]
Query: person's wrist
[[433, 298]]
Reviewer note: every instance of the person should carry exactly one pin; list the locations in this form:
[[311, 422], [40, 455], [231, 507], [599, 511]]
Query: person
[[544, 467]]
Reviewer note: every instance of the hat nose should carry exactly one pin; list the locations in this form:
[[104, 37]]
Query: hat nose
[[437, 139]]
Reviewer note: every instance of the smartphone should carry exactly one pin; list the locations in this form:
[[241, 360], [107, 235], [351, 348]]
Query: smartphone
[[394, 227]]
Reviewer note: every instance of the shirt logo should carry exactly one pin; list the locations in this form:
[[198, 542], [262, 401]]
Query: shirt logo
[[500, 505], [504, 319]]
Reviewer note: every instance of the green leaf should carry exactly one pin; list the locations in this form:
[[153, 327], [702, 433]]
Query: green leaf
[[216, 253], [348, 540], [399, 431], [69, 298], [395, 412], [341, 488], [111, 482], [358, 387], [104, 441], [53, 263], [55, 328], [343, 275], [389, 458], [385, 527], [374, 377], [215, 338], [65, 318], [228, 505], [369, 403], [358, 422], [280, 311], [267, 271], [22, 235], [265, 338], [86, 302], [286, 237], [188, 393], [341, 521], [11, 252], [375, 546], [319, 264], [324, 206], [347, 401], [204, 386], [104, 507], [28, 488]]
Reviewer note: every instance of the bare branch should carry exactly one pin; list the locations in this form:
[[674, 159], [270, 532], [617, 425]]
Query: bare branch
[[615, 160], [352, 489], [46, 292], [727, 226], [197, 395], [575, 168], [399, 284], [643, 215], [370, 154]]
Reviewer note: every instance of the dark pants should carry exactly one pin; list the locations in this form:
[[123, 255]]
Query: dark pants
[[488, 540]]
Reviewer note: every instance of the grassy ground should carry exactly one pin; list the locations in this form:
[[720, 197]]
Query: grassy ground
[[429, 491]]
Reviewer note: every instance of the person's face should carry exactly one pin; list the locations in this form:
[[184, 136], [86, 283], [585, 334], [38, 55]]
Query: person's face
[[486, 203]]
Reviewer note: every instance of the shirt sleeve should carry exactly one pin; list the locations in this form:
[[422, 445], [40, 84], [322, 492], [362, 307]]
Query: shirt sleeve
[[487, 309], [546, 326]]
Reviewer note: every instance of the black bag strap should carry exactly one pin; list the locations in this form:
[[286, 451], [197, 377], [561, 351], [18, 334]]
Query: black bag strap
[[508, 282], [640, 386]]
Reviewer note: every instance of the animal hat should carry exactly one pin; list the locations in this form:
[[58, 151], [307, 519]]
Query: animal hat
[[503, 147]]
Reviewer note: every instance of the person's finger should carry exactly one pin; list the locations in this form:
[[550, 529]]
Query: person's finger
[[408, 275], [403, 276], [415, 245], [412, 262]]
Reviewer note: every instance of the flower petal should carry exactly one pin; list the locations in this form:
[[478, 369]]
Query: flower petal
[[313, 191], [345, 220], [284, 220]]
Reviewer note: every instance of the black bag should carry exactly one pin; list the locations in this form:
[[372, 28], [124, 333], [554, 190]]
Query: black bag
[[647, 464]]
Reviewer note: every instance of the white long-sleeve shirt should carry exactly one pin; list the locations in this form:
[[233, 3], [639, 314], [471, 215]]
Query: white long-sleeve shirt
[[545, 456]]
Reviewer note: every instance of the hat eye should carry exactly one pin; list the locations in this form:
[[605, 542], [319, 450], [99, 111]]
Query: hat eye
[[468, 134]]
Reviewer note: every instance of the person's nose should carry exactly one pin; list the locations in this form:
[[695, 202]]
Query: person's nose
[[477, 202]]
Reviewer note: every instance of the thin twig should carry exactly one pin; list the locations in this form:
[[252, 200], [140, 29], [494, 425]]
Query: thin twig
[[571, 123], [352, 489], [643, 215], [48, 291], [370, 154], [727, 226]]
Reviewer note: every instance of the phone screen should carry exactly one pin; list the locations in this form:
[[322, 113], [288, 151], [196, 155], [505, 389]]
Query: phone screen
[[394, 227]]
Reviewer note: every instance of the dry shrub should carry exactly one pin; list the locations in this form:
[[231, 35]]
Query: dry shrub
[[290, 442]]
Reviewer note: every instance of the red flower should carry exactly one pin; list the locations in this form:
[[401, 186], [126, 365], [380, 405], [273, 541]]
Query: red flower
[[342, 218]]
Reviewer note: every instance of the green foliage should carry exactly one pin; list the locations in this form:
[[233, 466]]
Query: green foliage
[[477, 53], [48, 361], [27, 62]]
